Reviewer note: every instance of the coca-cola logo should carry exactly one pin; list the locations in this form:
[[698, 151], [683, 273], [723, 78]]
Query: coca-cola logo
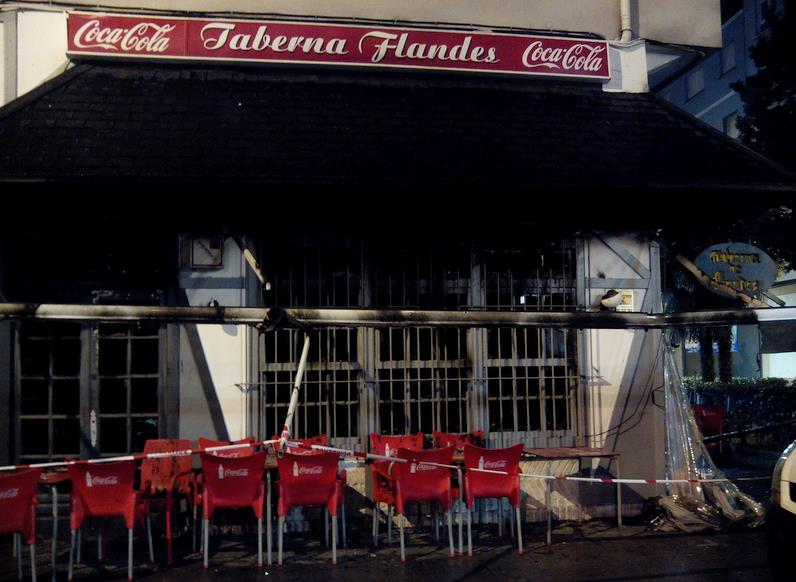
[[420, 467], [141, 37], [95, 481], [575, 57], [494, 465], [315, 470], [9, 493], [233, 473]]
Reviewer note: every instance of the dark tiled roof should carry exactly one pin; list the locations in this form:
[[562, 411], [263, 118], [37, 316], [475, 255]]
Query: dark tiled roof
[[108, 120]]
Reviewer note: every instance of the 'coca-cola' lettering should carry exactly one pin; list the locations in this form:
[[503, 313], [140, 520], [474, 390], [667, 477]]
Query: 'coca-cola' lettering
[[142, 37], [314, 470], [575, 57], [101, 481], [236, 473], [9, 493], [495, 465]]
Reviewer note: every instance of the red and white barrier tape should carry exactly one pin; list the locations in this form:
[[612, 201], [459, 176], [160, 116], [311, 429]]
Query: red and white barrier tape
[[138, 456]]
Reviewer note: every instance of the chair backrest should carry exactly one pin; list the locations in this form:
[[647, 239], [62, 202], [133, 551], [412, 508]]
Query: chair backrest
[[231, 453], [17, 494], [321, 439], [159, 472], [418, 482], [232, 481], [446, 439], [709, 418], [102, 488], [479, 485], [306, 479], [388, 445]]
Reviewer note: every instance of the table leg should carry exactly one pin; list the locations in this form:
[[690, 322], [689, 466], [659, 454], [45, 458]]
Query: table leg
[[54, 492]]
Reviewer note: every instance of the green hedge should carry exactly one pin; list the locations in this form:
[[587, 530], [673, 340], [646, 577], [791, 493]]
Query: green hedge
[[750, 402]]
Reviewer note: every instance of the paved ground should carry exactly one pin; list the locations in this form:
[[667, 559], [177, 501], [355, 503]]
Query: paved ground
[[593, 552]]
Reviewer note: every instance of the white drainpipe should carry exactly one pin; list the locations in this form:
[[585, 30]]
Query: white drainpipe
[[626, 21]]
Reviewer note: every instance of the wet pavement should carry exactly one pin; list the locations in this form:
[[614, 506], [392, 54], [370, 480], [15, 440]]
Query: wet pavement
[[591, 552]]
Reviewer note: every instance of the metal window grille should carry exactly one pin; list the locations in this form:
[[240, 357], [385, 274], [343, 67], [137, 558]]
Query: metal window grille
[[48, 390], [128, 366], [329, 398], [531, 377], [423, 376]]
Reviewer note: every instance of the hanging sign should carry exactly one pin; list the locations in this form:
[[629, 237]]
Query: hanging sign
[[128, 36], [741, 267]]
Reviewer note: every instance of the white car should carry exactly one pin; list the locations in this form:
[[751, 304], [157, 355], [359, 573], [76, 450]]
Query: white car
[[781, 516]]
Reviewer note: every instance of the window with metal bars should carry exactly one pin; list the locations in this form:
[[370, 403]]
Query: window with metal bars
[[329, 398], [531, 378], [58, 388], [48, 390], [423, 378]]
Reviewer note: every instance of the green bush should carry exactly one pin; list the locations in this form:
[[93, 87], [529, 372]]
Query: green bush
[[751, 403]]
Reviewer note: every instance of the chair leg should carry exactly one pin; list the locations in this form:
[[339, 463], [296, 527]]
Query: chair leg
[[269, 541], [99, 543], [511, 524], [168, 536], [401, 527], [436, 523], [33, 562], [79, 544], [450, 534], [519, 531], [193, 533], [130, 554], [334, 540], [345, 537], [259, 542], [326, 527], [14, 546], [149, 539], [202, 536], [279, 535], [71, 553], [500, 518], [470, 531], [18, 544], [206, 541], [389, 524], [376, 517]]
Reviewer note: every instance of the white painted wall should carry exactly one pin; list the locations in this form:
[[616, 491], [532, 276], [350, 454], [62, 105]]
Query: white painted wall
[[214, 358], [41, 55], [622, 367]]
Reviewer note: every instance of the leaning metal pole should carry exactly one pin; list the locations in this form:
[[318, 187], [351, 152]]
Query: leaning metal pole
[[291, 409], [299, 317]]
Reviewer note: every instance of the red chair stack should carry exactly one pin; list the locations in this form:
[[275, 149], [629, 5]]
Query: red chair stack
[[308, 480], [18, 512], [170, 479], [422, 479], [446, 439], [233, 482], [107, 490], [383, 485], [480, 485]]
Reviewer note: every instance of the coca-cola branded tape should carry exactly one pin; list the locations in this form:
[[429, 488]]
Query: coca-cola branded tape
[[143, 36]]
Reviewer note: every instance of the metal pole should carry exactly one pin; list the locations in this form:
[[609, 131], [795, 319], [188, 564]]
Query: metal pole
[[294, 396]]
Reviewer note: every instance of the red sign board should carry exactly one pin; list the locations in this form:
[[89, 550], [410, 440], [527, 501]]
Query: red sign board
[[112, 35]]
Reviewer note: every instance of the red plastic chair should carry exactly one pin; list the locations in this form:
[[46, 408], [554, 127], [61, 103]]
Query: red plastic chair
[[383, 486], [18, 512], [478, 485], [171, 478], [308, 480], [233, 482], [199, 481], [106, 490], [323, 440], [415, 481], [446, 439]]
